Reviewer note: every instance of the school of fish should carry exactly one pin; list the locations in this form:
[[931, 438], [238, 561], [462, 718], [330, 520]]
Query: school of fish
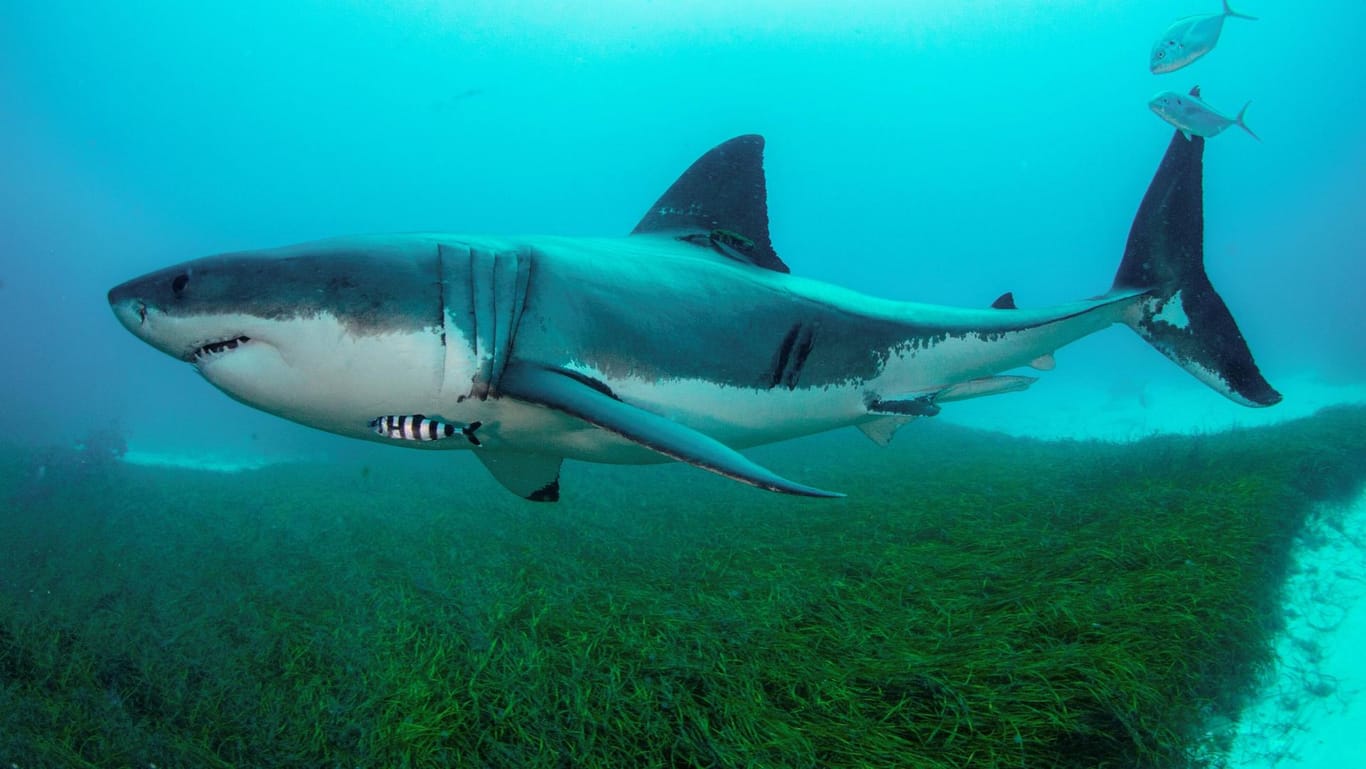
[[1183, 42]]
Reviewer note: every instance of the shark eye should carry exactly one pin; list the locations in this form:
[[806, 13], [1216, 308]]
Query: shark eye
[[179, 283]]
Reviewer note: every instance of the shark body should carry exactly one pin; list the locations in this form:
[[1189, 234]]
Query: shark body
[[686, 340]]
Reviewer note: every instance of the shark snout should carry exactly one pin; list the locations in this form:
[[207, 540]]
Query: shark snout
[[130, 290], [134, 306], [128, 307]]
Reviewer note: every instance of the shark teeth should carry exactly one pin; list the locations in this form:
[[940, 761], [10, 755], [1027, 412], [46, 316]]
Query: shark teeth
[[212, 349]]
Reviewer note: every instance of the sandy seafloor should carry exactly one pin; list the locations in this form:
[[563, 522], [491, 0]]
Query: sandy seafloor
[[1310, 712]]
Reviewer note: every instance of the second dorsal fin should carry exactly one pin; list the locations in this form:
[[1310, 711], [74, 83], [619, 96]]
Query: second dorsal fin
[[722, 192]]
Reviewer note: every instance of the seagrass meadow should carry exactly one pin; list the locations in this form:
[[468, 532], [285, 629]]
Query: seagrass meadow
[[977, 601]]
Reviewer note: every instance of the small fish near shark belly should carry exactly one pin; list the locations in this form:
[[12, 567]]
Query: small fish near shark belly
[[417, 427]]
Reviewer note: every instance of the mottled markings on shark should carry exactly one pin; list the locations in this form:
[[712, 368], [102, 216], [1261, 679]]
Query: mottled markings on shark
[[920, 406]]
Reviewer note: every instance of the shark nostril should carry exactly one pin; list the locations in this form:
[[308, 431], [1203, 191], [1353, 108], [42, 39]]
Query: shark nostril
[[142, 312]]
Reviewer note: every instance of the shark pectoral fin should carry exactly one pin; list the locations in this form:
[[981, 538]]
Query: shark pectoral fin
[[530, 476], [594, 403], [881, 431]]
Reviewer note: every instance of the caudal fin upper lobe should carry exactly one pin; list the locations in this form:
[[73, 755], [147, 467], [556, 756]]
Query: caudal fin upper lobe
[[1180, 313]]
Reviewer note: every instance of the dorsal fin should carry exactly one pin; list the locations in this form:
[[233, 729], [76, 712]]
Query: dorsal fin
[[1195, 92], [723, 191], [1005, 301]]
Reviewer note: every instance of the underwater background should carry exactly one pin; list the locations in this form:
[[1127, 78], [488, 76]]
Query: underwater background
[[185, 581]]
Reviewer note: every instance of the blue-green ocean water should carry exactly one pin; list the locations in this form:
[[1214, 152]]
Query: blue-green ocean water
[[936, 151]]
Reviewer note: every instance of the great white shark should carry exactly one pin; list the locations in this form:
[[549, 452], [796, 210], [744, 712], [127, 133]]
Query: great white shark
[[685, 340]]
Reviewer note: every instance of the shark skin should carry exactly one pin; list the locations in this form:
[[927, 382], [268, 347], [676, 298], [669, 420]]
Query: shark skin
[[686, 340]]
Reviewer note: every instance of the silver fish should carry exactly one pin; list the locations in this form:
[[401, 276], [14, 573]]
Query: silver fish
[[1188, 39], [1190, 115]]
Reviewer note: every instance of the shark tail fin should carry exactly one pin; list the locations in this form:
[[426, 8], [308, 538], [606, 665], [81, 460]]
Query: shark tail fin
[[1228, 11], [1177, 310], [1243, 125]]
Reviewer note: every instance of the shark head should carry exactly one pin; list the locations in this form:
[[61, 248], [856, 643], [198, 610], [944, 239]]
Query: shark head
[[313, 333]]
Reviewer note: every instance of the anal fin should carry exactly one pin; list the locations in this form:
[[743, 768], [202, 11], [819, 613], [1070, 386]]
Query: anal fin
[[882, 430]]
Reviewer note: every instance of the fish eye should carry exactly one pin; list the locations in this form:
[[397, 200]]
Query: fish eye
[[1161, 53], [180, 281]]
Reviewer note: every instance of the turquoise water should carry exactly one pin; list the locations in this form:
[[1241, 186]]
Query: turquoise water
[[932, 151], [940, 151]]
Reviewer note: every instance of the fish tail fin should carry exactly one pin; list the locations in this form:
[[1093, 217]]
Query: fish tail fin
[[1239, 120], [1175, 308], [1230, 12]]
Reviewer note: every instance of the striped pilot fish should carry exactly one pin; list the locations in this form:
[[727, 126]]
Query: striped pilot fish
[[416, 427]]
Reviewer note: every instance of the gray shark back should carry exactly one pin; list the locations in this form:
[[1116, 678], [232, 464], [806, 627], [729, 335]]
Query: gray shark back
[[655, 308]]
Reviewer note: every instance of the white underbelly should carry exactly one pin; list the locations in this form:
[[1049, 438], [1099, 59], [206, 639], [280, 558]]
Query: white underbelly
[[738, 417]]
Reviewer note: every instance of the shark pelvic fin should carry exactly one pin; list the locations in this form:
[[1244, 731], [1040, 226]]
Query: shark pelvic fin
[[530, 476], [593, 402], [987, 385], [926, 404], [899, 411], [722, 192]]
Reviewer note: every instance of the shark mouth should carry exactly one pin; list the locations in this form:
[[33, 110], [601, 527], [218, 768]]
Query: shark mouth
[[214, 349]]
